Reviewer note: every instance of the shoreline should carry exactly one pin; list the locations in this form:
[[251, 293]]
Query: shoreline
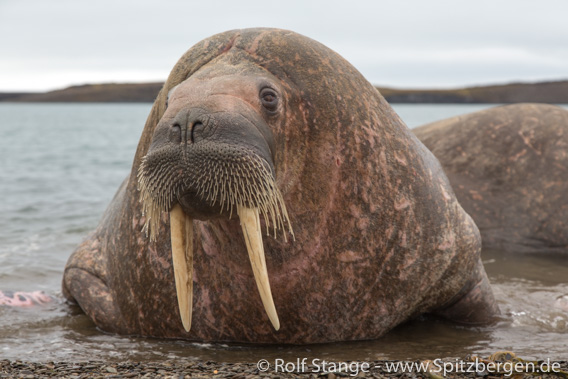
[[296, 369], [551, 92]]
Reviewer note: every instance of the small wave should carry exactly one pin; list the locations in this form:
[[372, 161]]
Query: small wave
[[537, 308], [23, 247]]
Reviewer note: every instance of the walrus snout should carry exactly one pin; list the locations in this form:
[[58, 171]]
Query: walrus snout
[[240, 128]]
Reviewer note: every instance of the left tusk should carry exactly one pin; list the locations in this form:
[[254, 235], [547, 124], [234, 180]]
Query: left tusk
[[250, 222]]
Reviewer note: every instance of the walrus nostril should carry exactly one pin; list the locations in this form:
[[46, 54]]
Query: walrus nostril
[[197, 131], [175, 132]]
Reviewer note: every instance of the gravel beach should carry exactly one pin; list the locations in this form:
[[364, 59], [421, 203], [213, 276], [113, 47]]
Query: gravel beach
[[196, 369]]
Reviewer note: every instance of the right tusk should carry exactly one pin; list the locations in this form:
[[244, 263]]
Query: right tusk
[[181, 227]]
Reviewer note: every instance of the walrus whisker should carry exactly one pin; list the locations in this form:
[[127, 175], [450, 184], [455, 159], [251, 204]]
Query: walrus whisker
[[246, 183]]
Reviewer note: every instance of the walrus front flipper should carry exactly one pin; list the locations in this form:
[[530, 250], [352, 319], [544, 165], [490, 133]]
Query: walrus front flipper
[[83, 283], [475, 303]]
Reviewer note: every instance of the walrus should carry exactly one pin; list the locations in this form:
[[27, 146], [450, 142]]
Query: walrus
[[275, 197], [508, 166]]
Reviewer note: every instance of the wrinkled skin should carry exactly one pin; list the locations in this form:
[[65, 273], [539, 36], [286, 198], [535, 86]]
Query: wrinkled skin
[[379, 235], [508, 166]]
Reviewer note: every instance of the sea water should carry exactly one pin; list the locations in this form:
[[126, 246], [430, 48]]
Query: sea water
[[60, 165]]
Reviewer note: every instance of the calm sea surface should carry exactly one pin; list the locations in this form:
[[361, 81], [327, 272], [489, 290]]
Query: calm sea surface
[[60, 165]]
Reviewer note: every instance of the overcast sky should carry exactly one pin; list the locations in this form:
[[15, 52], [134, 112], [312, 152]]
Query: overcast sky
[[50, 44]]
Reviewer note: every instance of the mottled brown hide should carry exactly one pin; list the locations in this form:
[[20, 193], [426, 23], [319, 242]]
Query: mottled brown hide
[[509, 169], [379, 235]]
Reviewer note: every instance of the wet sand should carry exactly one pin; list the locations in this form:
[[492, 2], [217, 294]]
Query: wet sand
[[199, 369]]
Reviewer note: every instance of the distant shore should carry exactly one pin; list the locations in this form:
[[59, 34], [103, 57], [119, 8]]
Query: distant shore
[[544, 92], [91, 93], [553, 92]]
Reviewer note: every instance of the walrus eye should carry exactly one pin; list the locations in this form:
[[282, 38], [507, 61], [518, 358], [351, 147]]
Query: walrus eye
[[269, 99]]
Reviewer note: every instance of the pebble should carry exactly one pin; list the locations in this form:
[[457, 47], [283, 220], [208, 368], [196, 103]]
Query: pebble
[[112, 370]]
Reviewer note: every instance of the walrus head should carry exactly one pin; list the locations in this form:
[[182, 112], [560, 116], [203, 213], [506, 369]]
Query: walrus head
[[212, 155]]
